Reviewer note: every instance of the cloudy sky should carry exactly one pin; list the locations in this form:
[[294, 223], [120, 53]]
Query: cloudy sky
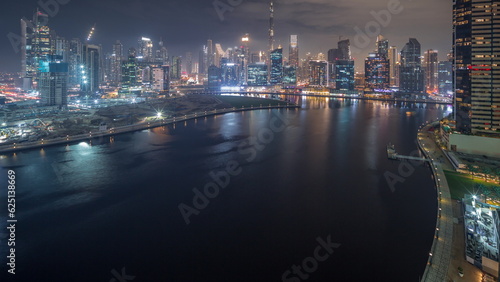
[[186, 25]]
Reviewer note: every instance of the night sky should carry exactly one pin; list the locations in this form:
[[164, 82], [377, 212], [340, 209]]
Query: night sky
[[186, 25]]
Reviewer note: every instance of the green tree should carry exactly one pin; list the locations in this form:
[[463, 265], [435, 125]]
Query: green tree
[[471, 169], [487, 172]]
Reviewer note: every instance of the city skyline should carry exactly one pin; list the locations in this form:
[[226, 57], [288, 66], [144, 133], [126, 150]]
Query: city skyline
[[249, 17], [257, 140]]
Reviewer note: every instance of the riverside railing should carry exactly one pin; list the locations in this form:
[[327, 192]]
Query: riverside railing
[[440, 220]]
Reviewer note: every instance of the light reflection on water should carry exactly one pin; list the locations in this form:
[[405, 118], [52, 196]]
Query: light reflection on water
[[322, 175]]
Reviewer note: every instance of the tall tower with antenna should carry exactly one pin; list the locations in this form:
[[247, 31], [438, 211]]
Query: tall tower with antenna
[[271, 26]]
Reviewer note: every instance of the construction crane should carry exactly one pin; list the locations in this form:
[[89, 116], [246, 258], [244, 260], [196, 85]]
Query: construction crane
[[91, 33]]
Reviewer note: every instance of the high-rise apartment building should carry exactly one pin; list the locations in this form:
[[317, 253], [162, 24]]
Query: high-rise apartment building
[[276, 73], [35, 46], [257, 74], [146, 49], [394, 61], [476, 61], [293, 56], [344, 75], [53, 81], [116, 63], [411, 76], [377, 67], [430, 65], [91, 70], [319, 74], [445, 78]]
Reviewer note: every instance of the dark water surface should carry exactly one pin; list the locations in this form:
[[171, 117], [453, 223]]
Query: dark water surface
[[85, 210]]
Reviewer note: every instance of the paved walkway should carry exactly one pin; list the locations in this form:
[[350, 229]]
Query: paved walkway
[[440, 253]]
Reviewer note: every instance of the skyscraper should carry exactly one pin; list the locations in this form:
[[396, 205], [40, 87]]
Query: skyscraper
[[341, 55], [129, 73], [377, 66], [289, 76], [53, 81], [214, 78], [376, 72], [477, 70], [333, 55], [276, 74], [445, 78], [229, 73], [218, 54], [394, 58], [161, 78], [430, 65], [146, 49], [116, 63], [202, 61], [293, 57], [411, 74], [344, 75], [462, 49], [162, 53], [60, 48], [344, 49], [176, 69], [319, 73], [75, 62], [91, 68], [244, 58], [257, 74], [382, 46], [189, 63], [271, 26], [210, 53], [36, 44]]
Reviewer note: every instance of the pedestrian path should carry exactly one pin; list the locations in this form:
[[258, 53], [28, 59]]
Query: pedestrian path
[[440, 253]]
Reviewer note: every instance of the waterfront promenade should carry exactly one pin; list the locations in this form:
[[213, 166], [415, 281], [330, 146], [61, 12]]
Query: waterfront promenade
[[440, 252], [12, 148]]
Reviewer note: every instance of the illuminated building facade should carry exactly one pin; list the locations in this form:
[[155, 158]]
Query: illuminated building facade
[[276, 75], [293, 56], [91, 71], [344, 75], [35, 46], [257, 74], [430, 65], [289, 76], [53, 81], [411, 75], [318, 73]]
